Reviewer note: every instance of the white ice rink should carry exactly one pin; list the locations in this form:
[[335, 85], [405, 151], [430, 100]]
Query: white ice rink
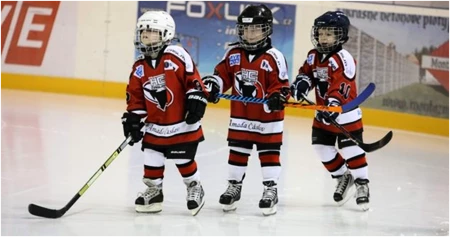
[[52, 144]]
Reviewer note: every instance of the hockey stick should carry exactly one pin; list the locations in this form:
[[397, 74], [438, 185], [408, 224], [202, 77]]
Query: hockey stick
[[367, 147], [339, 109], [54, 213]]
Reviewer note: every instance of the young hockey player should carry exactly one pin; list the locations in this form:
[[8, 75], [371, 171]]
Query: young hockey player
[[331, 70], [165, 88], [253, 68]]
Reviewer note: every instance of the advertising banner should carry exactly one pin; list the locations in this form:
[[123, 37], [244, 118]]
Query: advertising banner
[[406, 56], [443, 4], [38, 37], [206, 28]]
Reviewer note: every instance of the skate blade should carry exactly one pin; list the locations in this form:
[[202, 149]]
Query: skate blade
[[269, 211], [228, 208], [350, 193], [152, 208], [195, 211], [364, 206]]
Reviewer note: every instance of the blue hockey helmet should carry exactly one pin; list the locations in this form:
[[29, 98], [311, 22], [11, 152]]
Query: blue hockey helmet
[[330, 30]]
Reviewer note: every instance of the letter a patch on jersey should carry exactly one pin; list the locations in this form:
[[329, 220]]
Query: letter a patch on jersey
[[139, 72], [266, 66]]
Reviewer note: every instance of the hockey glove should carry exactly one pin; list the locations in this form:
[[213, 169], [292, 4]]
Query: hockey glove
[[326, 116], [212, 87], [132, 126], [300, 87], [276, 101], [195, 106]]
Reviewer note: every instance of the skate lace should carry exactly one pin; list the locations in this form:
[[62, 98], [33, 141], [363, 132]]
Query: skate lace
[[270, 193], [342, 183], [194, 192], [232, 190], [150, 192], [362, 190]]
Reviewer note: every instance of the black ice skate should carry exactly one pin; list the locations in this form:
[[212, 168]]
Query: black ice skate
[[151, 200], [194, 197], [269, 200], [344, 188], [362, 193], [230, 197]]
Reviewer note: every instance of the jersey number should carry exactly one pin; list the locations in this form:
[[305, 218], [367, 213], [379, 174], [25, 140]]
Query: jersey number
[[344, 90]]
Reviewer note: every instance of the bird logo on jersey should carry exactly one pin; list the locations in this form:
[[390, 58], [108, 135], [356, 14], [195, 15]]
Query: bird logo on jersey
[[246, 84], [155, 91], [321, 74]]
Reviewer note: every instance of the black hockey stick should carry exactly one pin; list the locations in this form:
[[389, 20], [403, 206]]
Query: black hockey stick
[[367, 147], [54, 213]]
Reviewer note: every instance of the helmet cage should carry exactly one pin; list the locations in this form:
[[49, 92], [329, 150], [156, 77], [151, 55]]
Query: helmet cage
[[144, 44], [325, 48], [249, 39], [149, 23]]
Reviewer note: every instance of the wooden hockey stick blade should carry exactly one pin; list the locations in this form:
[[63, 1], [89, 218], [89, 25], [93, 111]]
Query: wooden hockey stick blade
[[57, 213], [377, 145]]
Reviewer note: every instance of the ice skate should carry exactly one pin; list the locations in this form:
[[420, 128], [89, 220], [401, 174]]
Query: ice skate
[[362, 193], [269, 200], [231, 196], [344, 188], [150, 201], [194, 197]]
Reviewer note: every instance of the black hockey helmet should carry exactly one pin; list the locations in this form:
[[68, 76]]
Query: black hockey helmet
[[254, 18], [331, 22]]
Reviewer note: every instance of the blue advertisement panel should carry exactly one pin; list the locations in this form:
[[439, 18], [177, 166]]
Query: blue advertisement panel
[[206, 28]]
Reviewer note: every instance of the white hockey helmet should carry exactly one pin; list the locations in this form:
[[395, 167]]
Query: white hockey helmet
[[154, 29]]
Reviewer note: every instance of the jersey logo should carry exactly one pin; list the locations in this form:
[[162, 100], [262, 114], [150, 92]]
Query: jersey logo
[[266, 66], [246, 84], [235, 59], [155, 91], [139, 72], [170, 65], [310, 59], [333, 64], [321, 74]]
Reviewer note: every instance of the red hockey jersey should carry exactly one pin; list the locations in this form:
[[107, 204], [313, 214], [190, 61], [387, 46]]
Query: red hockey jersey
[[157, 90], [256, 76], [334, 77]]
